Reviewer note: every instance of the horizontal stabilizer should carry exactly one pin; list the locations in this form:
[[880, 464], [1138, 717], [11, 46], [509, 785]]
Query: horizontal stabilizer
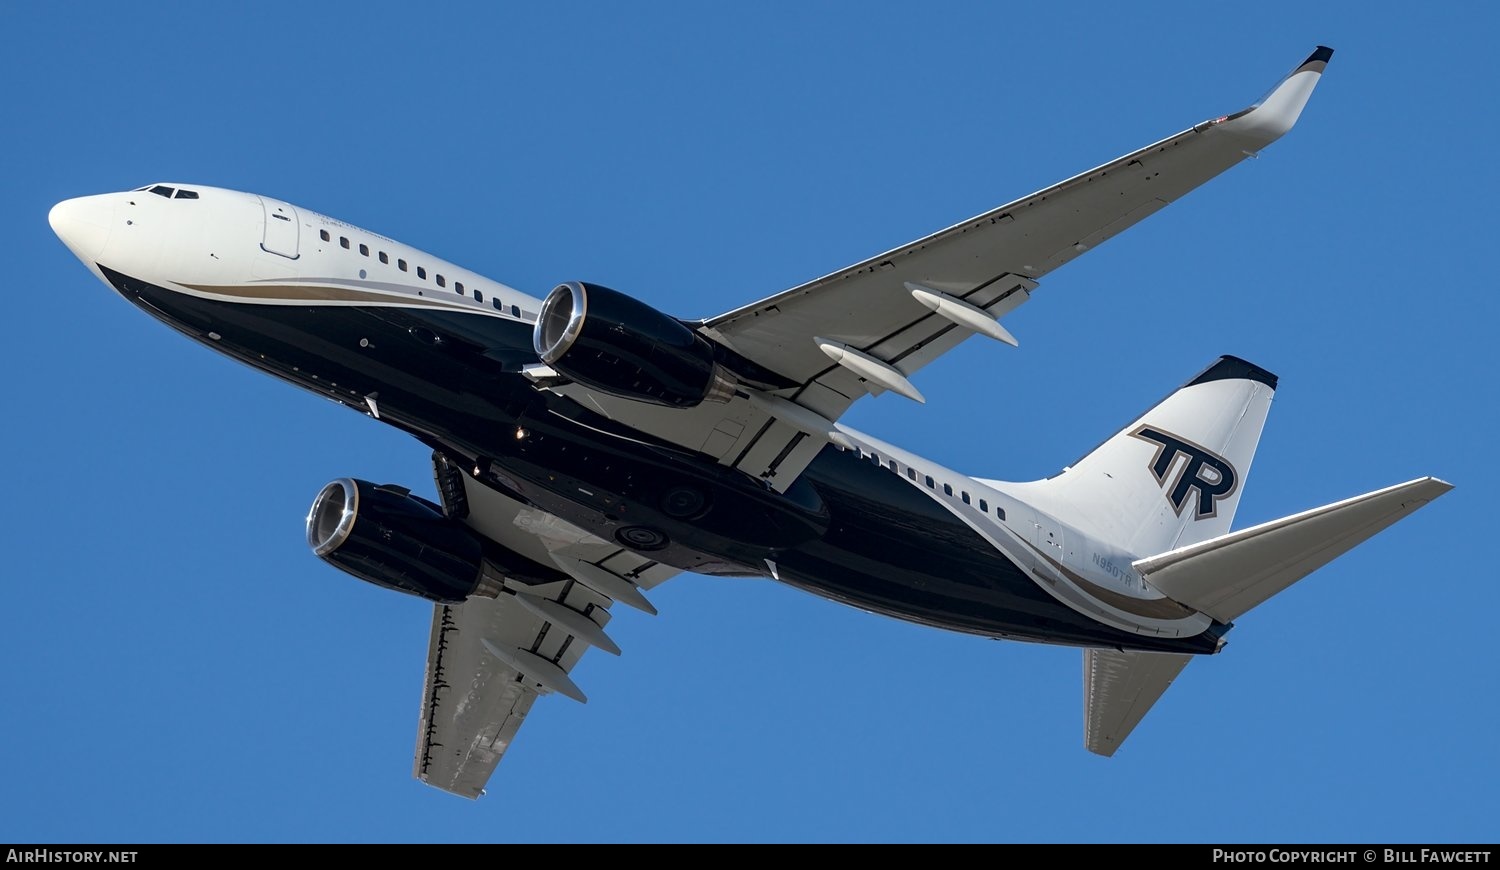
[[1118, 689], [1226, 576]]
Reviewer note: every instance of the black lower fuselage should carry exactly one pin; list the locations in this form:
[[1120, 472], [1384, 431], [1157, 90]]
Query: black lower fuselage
[[846, 530]]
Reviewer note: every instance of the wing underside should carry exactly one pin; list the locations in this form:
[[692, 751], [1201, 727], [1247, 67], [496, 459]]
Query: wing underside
[[987, 259], [886, 315], [488, 659], [472, 704]]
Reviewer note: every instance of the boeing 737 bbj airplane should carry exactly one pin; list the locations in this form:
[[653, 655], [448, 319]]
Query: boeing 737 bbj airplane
[[587, 447]]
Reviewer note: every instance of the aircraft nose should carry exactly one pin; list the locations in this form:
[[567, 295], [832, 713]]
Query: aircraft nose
[[83, 224]]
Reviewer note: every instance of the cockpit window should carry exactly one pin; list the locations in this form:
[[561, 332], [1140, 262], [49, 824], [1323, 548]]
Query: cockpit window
[[166, 192]]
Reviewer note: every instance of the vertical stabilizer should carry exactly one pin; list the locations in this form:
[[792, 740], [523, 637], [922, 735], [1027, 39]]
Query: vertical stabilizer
[[1173, 476]]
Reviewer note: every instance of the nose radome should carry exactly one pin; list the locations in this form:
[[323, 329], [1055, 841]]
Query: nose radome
[[84, 224]]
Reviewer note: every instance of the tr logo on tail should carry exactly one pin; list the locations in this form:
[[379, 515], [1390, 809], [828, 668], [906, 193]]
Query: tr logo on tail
[[1207, 472]]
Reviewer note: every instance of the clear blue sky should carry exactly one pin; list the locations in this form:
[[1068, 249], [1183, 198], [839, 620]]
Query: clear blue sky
[[177, 665]]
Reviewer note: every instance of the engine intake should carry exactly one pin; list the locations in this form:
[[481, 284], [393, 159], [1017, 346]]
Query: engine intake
[[386, 536], [606, 340]]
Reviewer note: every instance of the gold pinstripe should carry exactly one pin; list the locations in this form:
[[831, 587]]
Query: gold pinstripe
[[1151, 608], [294, 293]]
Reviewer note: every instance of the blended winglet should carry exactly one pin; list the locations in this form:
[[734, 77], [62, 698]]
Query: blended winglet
[[1316, 61], [1269, 119]]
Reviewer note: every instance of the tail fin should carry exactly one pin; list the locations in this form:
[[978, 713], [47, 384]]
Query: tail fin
[[1174, 476]]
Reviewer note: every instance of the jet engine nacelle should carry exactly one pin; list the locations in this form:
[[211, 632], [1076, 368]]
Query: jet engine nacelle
[[606, 340], [386, 536]]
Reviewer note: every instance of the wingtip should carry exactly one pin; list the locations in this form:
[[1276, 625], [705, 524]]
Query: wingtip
[[1317, 60], [1268, 120], [1103, 750]]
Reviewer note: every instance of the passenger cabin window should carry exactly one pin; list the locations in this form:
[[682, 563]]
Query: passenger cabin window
[[459, 286], [496, 302], [984, 506], [999, 512], [891, 465], [515, 311], [947, 489], [931, 484], [911, 473], [186, 194], [440, 281], [323, 234], [422, 272], [384, 259], [162, 190], [964, 496], [364, 250], [478, 297], [344, 242], [401, 264]]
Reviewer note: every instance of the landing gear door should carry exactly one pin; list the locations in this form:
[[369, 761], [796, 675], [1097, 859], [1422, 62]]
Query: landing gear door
[[281, 228]]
